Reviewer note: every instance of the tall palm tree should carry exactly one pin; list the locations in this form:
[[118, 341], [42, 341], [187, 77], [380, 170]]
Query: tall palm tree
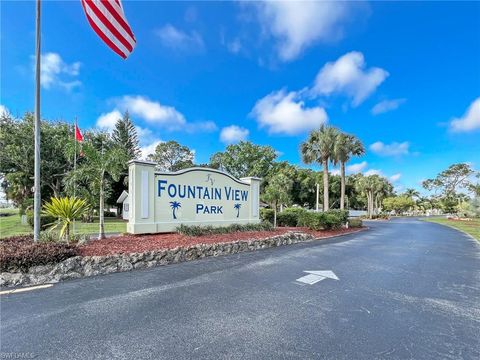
[[102, 158], [319, 149], [412, 193], [344, 148]]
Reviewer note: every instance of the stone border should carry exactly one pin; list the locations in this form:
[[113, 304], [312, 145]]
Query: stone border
[[83, 266]]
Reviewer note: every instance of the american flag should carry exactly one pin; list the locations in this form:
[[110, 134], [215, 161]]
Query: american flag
[[109, 22]]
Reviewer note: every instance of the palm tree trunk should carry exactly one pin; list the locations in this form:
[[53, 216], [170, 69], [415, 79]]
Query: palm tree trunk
[[275, 216], [101, 221], [342, 186], [325, 185], [370, 204]]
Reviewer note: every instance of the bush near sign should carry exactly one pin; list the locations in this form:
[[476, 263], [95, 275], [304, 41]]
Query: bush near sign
[[161, 201]]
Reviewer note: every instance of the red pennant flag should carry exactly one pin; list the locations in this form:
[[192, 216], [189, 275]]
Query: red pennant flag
[[78, 134], [108, 20]]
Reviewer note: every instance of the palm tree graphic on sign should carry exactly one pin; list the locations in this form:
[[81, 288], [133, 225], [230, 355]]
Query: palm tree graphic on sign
[[175, 205], [237, 207]]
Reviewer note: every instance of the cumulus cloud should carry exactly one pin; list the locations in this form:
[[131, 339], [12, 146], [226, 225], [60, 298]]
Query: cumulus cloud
[[149, 149], [373, 172], [151, 111], [349, 75], [177, 39], [386, 106], [107, 121], [4, 110], [395, 177], [282, 112], [297, 25], [56, 72], [356, 168], [470, 120], [233, 134], [393, 149]]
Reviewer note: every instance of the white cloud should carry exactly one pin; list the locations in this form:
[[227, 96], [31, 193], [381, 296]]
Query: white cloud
[[55, 72], [297, 25], [373, 172], [335, 171], [283, 112], [393, 149], [387, 105], [349, 75], [4, 110], [470, 120], [149, 149], [177, 39], [395, 177], [233, 134], [203, 126], [152, 111], [107, 121], [356, 168]]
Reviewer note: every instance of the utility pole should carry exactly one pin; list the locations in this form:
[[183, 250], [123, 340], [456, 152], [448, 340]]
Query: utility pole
[[37, 200]]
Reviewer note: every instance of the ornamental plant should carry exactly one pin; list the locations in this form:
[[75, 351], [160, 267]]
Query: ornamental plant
[[66, 210]]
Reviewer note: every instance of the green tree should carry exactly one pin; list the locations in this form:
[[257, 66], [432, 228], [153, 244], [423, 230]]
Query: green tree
[[102, 158], [399, 204], [412, 193], [277, 193], [171, 156], [450, 180], [17, 158], [344, 148], [319, 149], [374, 188], [125, 135], [245, 159]]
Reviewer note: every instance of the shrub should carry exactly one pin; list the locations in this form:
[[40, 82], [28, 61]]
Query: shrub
[[354, 222], [200, 230], [266, 215], [44, 219], [332, 219], [289, 217], [19, 253]]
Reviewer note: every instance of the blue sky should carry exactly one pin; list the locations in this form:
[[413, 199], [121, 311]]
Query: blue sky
[[403, 76]]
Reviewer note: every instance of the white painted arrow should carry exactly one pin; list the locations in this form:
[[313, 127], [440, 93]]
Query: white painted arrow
[[315, 276], [325, 273]]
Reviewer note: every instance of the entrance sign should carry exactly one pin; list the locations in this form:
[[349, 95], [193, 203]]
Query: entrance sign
[[161, 201]]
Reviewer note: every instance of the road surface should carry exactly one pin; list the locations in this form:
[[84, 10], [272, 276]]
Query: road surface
[[406, 290]]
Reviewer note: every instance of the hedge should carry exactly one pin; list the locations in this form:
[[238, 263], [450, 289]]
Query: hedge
[[327, 220], [199, 230], [289, 217], [44, 219], [266, 215], [19, 253]]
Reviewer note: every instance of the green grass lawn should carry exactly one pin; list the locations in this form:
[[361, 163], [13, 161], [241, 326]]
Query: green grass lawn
[[12, 225], [469, 227]]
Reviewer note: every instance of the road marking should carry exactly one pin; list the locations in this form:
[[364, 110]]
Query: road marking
[[315, 276], [14, 291]]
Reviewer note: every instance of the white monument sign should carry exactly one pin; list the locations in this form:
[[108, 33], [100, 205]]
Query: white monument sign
[[161, 201]]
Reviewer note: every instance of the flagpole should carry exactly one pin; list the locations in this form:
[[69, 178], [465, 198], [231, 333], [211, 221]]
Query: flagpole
[[74, 165], [37, 196]]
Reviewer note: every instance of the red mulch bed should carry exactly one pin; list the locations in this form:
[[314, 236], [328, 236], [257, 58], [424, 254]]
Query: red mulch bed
[[141, 243]]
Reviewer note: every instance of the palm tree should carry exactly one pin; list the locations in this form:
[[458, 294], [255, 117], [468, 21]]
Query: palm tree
[[319, 149], [237, 207], [102, 158], [344, 148], [412, 193], [175, 205]]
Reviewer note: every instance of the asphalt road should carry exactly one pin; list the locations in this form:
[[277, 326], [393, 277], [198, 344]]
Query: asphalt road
[[406, 290]]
